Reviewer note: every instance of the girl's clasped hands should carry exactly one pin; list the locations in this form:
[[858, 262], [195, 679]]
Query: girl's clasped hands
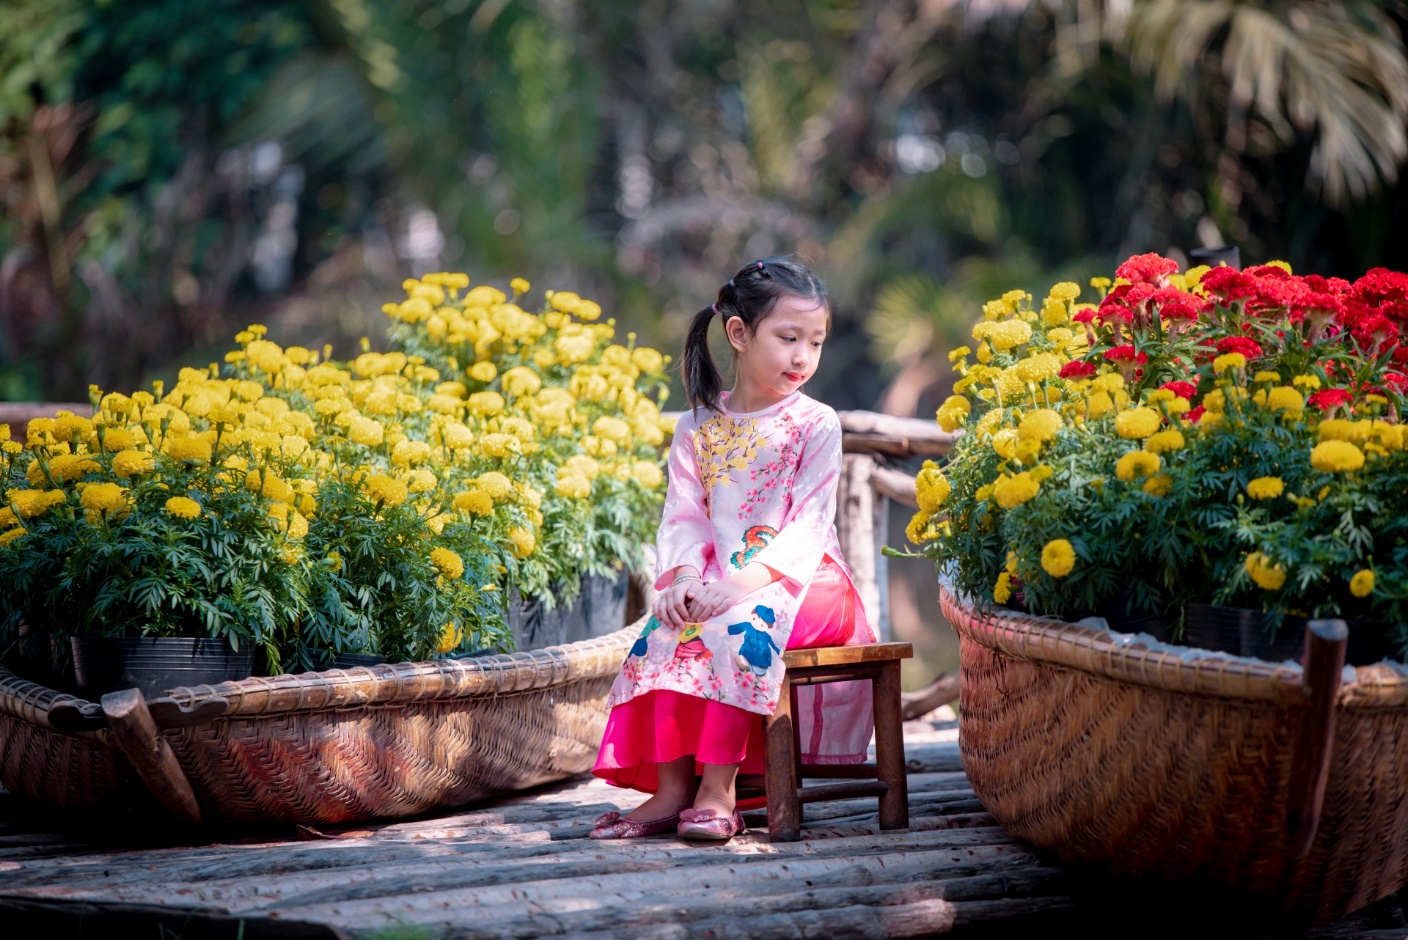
[[689, 599]]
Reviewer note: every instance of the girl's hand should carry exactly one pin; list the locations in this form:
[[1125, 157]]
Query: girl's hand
[[671, 606], [718, 597]]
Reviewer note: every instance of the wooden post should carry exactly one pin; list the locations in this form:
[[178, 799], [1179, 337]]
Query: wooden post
[[889, 748], [855, 529], [1325, 644], [784, 810], [137, 736]]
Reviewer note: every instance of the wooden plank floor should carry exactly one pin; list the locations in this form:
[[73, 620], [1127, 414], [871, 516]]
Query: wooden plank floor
[[523, 867]]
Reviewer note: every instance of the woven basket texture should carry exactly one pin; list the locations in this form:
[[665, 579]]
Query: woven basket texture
[[1148, 762], [364, 743]]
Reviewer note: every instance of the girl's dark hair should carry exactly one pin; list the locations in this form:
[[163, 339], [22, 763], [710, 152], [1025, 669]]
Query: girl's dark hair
[[749, 295]]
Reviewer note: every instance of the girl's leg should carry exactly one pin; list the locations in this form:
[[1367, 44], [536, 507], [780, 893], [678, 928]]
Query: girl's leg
[[716, 789], [675, 791]]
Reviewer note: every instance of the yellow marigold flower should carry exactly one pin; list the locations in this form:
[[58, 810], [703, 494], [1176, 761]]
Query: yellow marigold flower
[[268, 483], [499, 445], [990, 422], [1285, 398], [1040, 425], [334, 561], [8, 519], [72, 466], [1100, 404], [524, 541], [449, 563], [574, 347], [486, 404], [130, 463], [1058, 558], [647, 474], [385, 490], [1160, 484], [1336, 457], [474, 501], [1232, 360], [104, 497], [193, 448], [931, 489], [410, 453], [1012, 491], [1265, 376], [116, 439], [483, 372], [1362, 584], [613, 429], [183, 507], [456, 436], [647, 360], [1065, 290], [495, 484], [31, 503], [1268, 575], [1164, 441], [365, 431], [1136, 464], [297, 525], [1004, 443], [451, 635], [520, 381], [1038, 367], [1107, 382], [572, 485], [1340, 429], [1005, 334], [13, 534], [1002, 590], [1306, 381], [1266, 487], [1137, 423], [421, 480], [953, 413], [518, 285]]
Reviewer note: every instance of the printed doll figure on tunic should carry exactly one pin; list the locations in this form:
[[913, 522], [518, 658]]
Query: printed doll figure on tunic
[[749, 566]]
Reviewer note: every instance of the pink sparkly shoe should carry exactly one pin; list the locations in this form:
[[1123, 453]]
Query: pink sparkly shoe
[[709, 825], [615, 826]]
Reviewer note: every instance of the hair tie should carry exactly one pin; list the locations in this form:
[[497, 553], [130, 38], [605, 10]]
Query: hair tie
[[714, 307], [760, 265], [731, 284]]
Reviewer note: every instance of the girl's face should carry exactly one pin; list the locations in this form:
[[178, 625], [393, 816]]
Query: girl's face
[[779, 356]]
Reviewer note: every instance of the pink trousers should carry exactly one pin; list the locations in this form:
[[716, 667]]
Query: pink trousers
[[663, 725]]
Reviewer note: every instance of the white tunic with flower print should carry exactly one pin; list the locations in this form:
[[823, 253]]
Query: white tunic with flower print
[[743, 487]]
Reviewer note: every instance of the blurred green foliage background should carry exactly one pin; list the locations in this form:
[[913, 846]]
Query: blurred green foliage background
[[172, 170]]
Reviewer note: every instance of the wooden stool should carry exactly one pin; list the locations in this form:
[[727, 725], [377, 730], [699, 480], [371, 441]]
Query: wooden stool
[[879, 662]]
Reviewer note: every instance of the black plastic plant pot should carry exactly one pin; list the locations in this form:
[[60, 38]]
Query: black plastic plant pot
[[353, 660], [154, 664], [1368, 643], [1210, 627], [1122, 617]]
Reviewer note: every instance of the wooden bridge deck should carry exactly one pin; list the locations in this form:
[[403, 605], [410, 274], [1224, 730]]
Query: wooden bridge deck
[[523, 867]]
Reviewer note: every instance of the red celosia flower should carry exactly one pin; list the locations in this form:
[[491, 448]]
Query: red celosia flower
[[1375, 329], [1076, 369], [1328, 398], [1181, 389], [1245, 345], [1147, 269], [1398, 381], [1175, 304], [1126, 354], [1387, 290], [1195, 415], [1228, 284], [1084, 315]]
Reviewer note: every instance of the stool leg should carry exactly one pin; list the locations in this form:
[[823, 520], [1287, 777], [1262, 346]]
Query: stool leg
[[889, 748], [784, 810]]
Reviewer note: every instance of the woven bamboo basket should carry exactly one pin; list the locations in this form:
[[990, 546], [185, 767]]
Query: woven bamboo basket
[[341, 745], [1158, 761]]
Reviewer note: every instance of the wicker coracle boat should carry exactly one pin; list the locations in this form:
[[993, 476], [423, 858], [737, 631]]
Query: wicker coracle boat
[[370, 742], [1145, 759]]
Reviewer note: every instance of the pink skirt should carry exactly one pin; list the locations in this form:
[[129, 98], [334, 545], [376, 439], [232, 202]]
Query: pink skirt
[[664, 725]]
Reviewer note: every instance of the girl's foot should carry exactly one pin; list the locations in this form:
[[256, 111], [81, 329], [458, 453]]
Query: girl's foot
[[661, 805]]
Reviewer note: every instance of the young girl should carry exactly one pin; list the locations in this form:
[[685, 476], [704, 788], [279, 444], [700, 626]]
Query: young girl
[[749, 566]]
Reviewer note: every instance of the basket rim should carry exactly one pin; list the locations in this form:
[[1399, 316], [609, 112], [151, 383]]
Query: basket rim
[[1127, 658], [385, 684]]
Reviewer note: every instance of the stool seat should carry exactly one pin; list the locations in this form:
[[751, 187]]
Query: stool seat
[[878, 662]]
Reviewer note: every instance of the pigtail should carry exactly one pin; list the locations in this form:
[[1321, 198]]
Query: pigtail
[[702, 382]]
